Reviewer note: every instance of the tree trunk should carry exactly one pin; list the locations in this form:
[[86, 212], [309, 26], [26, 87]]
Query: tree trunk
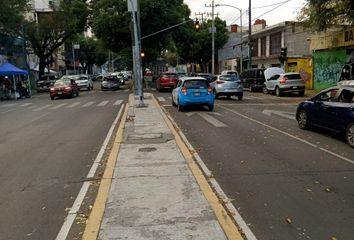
[[42, 63]]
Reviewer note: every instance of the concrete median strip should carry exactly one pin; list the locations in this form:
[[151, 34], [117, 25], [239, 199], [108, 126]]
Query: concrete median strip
[[221, 213]]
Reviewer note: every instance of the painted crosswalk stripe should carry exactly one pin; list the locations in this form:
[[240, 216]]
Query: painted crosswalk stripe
[[42, 108], [26, 104], [73, 105], [103, 103], [88, 104], [213, 121], [161, 99], [59, 106], [118, 102]]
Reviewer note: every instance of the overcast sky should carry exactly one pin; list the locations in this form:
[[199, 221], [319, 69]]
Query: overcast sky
[[286, 11]]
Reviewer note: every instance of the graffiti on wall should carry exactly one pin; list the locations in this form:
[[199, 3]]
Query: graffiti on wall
[[327, 67]]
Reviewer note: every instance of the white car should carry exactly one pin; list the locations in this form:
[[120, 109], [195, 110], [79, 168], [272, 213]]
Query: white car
[[83, 81], [279, 82]]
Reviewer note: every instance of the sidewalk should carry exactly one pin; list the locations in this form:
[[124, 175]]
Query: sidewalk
[[154, 194]]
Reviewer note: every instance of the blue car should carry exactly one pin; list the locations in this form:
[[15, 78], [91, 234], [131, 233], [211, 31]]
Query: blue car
[[192, 91], [332, 109]]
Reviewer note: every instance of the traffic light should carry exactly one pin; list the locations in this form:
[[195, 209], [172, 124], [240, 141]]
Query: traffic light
[[197, 25], [283, 55]]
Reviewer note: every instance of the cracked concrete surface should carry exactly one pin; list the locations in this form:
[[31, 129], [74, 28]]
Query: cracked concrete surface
[[153, 193]]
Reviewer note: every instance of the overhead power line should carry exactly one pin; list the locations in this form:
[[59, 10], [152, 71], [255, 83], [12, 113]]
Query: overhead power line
[[272, 4]]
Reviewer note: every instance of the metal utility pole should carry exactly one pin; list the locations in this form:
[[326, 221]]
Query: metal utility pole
[[212, 38], [249, 35], [133, 8]]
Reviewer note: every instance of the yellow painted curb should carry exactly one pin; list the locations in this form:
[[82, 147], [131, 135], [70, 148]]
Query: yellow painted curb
[[94, 221], [225, 221]]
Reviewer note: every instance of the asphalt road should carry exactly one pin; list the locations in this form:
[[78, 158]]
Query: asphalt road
[[285, 182], [47, 149]]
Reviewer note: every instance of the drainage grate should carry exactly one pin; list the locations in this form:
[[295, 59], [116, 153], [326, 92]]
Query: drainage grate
[[147, 149]]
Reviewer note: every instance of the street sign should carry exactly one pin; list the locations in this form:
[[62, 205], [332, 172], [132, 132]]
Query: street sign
[[212, 30]]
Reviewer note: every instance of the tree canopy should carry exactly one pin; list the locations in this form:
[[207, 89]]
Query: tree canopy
[[12, 15], [320, 14]]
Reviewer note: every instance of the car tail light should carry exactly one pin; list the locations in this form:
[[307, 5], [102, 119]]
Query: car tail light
[[283, 80], [210, 90], [68, 88], [184, 90], [219, 82]]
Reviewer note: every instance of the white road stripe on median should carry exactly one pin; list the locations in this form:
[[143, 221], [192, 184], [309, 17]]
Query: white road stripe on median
[[103, 103], [73, 105], [213, 121], [118, 102], [292, 136], [42, 108], [69, 220], [26, 104], [88, 104], [161, 99], [58, 106]]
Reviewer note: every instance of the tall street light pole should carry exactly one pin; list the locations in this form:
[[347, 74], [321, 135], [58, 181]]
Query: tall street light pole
[[249, 35], [213, 30], [241, 55]]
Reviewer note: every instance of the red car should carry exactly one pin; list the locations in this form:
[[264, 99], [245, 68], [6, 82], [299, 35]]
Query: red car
[[166, 80], [64, 87]]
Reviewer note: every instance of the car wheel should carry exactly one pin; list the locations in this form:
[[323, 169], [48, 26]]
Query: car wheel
[[277, 91], [240, 96], [77, 93], [302, 119], [52, 97], [301, 93], [179, 107], [265, 90], [211, 107], [173, 103], [228, 96], [349, 134]]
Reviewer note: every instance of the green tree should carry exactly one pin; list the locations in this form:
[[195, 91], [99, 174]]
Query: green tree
[[321, 14], [52, 29], [12, 15]]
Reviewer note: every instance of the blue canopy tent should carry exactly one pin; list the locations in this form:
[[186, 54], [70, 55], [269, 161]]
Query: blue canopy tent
[[7, 69]]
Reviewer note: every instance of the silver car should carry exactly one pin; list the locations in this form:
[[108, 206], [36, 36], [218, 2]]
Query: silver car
[[227, 85], [279, 82]]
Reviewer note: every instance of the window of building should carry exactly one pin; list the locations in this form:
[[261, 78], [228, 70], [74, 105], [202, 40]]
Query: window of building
[[263, 46], [254, 44], [275, 43]]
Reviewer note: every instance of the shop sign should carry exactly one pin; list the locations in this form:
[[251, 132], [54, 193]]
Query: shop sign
[[349, 37]]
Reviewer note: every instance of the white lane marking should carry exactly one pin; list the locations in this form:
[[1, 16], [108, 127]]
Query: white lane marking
[[292, 136], [214, 184], [213, 121], [289, 115], [126, 90], [26, 104], [73, 105], [161, 99], [42, 108], [9, 105], [256, 104], [103, 103], [58, 106], [88, 104], [69, 220], [118, 102]]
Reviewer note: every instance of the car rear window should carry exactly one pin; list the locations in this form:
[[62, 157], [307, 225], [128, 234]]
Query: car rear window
[[228, 78], [195, 84], [293, 76], [169, 75]]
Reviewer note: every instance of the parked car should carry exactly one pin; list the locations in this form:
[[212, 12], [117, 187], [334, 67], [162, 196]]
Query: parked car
[[253, 79], [110, 82], [192, 91], [208, 76], [64, 87], [332, 109], [45, 81], [229, 72], [227, 85], [279, 82], [166, 80], [121, 77], [83, 81]]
